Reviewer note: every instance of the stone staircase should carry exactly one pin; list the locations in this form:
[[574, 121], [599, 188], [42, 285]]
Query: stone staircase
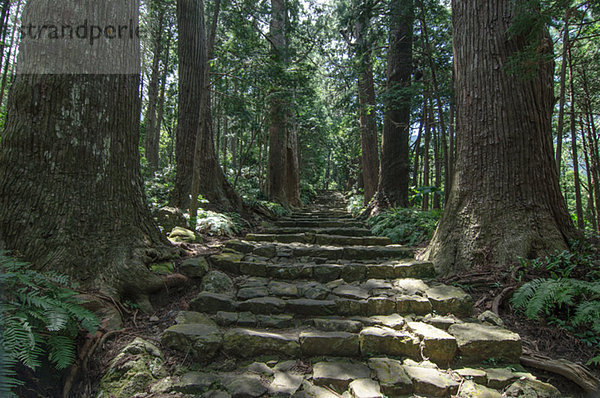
[[317, 307]]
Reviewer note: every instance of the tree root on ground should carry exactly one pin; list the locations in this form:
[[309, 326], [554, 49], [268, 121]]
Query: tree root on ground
[[576, 373]]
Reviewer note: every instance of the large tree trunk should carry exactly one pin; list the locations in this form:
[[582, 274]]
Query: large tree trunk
[[191, 51], [394, 173], [71, 196], [505, 201], [152, 138]]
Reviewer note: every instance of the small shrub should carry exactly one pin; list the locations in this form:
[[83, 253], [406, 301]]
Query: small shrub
[[405, 225], [219, 224], [355, 204], [158, 187], [275, 208], [40, 315]]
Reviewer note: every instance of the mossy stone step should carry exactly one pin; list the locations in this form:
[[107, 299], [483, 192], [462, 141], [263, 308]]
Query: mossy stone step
[[352, 231], [320, 239], [335, 223]]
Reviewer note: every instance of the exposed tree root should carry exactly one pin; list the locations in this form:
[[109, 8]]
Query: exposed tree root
[[576, 373], [500, 298]]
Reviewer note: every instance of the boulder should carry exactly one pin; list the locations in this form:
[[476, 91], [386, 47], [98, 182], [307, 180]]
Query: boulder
[[480, 342], [212, 303], [391, 375], [183, 235], [437, 345], [217, 282], [285, 384], [227, 261], [527, 388], [470, 389], [246, 386], [195, 267], [169, 218]]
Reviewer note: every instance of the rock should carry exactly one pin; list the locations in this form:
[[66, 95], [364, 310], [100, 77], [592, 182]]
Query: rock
[[169, 218], [283, 289], [527, 388], [254, 282], [351, 307], [196, 383], [248, 343], [201, 340], [380, 271], [239, 246], [263, 305], [165, 268], [477, 375], [470, 389], [228, 262], [393, 321], [441, 322], [246, 386], [387, 341], [215, 394], [373, 284], [314, 344], [351, 292], [338, 374], [365, 388], [490, 317], [438, 346], [275, 321], [327, 272], [195, 267], [417, 305], [391, 375], [267, 251], [411, 287], [411, 268], [217, 282], [353, 272], [212, 303], [381, 306], [479, 342], [224, 318], [422, 364], [183, 235], [289, 271], [184, 317], [253, 268], [285, 384], [314, 291], [164, 386], [311, 307], [247, 293], [450, 300], [313, 391], [137, 366], [337, 325], [261, 368], [431, 382], [247, 319], [499, 378]]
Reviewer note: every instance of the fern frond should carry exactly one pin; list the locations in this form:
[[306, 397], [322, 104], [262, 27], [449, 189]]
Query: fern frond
[[61, 351]]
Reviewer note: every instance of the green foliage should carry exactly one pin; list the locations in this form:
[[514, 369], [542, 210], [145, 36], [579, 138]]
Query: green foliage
[[355, 204], [219, 224], [275, 208], [158, 186], [307, 192], [406, 225], [567, 295], [40, 314]]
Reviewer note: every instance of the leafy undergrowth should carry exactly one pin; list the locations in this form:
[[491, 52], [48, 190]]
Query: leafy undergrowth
[[40, 316], [408, 226], [564, 290], [355, 204], [219, 224]]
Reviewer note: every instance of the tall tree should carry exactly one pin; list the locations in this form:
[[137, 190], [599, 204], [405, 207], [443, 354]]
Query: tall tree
[[283, 172], [505, 201], [394, 170], [71, 195]]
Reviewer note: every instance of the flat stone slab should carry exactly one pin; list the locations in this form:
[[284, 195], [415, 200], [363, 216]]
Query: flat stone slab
[[411, 268], [450, 300], [248, 343], [343, 344], [391, 375], [315, 391], [202, 340], [246, 386], [352, 292], [283, 289], [409, 286], [439, 346], [417, 305], [477, 375], [365, 388], [247, 293], [393, 321], [263, 305], [527, 388], [499, 378], [470, 389], [479, 342], [196, 383], [228, 262], [431, 382], [285, 383], [339, 374], [387, 341], [311, 307], [337, 325], [212, 303], [381, 305]]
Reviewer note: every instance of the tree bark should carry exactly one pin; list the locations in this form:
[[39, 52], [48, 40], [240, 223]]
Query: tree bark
[[8, 57], [562, 95], [505, 201], [191, 52], [71, 192], [426, 168], [152, 138], [394, 172], [578, 205]]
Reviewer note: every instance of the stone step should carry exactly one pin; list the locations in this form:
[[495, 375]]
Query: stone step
[[323, 231], [334, 223], [350, 272], [321, 239], [414, 340], [295, 251], [321, 214]]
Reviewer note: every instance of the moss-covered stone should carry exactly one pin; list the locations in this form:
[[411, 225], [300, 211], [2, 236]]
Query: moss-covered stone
[[227, 262], [162, 268], [450, 300], [247, 343], [195, 267], [527, 388], [343, 344], [183, 235], [391, 375], [387, 341], [201, 340], [217, 282]]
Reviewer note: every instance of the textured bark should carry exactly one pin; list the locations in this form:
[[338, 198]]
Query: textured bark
[[190, 49], [71, 195], [152, 138], [394, 172], [505, 201], [7, 62], [426, 180], [283, 171], [577, 183], [368, 127], [562, 95]]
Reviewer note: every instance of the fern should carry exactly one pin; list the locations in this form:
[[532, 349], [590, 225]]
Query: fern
[[40, 316]]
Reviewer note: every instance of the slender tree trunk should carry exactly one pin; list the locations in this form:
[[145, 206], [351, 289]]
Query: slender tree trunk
[[4, 14], [368, 127], [578, 205], [10, 51], [592, 146], [192, 52], [590, 205], [394, 172], [436, 166], [152, 139], [562, 95], [426, 167], [71, 192], [505, 201], [161, 99], [416, 169]]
